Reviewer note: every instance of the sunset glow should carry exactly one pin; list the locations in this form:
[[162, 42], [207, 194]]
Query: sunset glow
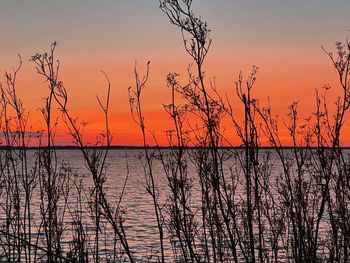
[[282, 38]]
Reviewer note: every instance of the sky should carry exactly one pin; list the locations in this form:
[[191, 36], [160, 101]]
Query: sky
[[282, 37]]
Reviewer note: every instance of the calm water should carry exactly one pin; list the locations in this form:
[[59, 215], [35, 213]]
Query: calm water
[[140, 221]]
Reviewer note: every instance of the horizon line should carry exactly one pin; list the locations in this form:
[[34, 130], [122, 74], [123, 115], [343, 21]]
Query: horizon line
[[139, 147]]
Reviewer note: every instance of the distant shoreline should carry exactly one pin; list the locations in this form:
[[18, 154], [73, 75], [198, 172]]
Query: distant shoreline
[[138, 147]]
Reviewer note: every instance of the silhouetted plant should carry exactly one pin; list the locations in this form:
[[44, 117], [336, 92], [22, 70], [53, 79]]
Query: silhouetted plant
[[182, 223], [135, 96], [95, 158], [19, 175]]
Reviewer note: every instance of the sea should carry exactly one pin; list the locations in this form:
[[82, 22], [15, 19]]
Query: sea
[[125, 187]]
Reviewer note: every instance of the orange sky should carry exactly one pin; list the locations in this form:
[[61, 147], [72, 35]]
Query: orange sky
[[291, 61], [283, 79]]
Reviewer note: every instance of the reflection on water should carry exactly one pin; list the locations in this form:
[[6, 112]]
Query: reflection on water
[[139, 217]]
